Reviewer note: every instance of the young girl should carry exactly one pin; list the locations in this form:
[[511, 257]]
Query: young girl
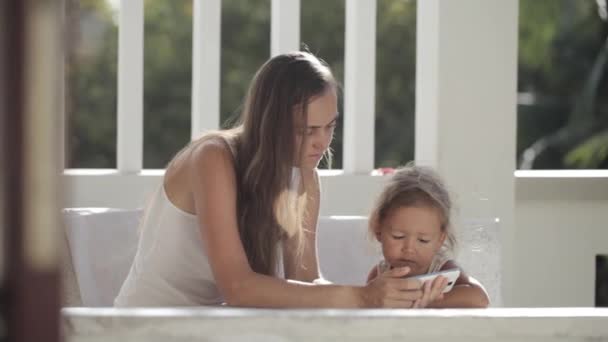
[[411, 220], [234, 220]]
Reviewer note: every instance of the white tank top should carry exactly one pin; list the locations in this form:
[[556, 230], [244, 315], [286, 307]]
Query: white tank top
[[171, 267]]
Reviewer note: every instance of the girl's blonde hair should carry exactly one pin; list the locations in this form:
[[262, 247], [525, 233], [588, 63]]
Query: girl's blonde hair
[[415, 186]]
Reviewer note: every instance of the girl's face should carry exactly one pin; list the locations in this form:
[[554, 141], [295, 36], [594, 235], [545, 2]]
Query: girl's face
[[411, 236], [319, 130]]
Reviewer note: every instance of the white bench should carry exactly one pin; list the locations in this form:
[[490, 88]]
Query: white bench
[[101, 243]]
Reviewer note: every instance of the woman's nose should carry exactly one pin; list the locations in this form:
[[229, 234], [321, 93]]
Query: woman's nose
[[324, 139], [319, 141]]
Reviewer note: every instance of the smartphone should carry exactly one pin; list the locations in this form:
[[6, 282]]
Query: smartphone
[[451, 275]]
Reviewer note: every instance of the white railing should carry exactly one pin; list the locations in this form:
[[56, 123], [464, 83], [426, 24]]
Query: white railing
[[206, 47], [130, 120], [359, 86], [284, 26], [437, 41], [446, 103], [465, 109], [285, 36]]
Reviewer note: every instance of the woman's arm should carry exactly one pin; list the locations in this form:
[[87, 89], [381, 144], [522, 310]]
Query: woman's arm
[[213, 183], [466, 293]]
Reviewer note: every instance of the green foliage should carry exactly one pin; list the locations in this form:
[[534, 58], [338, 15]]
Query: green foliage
[[537, 30], [395, 82], [245, 47], [559, 42], [562, 67], [167, 79], [91, 76], [592, 153], [322, 25]]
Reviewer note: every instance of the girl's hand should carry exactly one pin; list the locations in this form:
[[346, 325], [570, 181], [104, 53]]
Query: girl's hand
[[431, 292], [390, 290]]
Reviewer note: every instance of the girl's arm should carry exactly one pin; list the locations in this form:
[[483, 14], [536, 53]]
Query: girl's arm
[[466, 293], [372, 274], [213, 183]]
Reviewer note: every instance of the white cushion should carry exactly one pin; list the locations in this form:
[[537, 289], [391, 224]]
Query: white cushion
[[70, 294], [346, 253], [479, 253], [103, 243]]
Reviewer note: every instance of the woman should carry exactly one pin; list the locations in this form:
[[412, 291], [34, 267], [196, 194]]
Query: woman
[[235, 218]]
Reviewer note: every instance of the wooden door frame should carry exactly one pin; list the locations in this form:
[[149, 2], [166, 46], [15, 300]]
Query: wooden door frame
[[31, 297]]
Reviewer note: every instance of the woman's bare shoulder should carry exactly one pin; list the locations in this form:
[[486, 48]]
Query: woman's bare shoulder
[[213, 149], [210, 158]]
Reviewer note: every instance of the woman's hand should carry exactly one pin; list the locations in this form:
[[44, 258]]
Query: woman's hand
[[390, 290], [431, 291]]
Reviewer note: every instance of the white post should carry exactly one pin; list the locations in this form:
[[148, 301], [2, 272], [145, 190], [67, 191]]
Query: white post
[[206, 49], [466, 74], [129, 152], [359, 86], [285, 26]]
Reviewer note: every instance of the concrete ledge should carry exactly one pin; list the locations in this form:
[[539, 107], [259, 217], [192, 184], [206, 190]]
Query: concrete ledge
[[112, 189], [231, 324], [561, 185]]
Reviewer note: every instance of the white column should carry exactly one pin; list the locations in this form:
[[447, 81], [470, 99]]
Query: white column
[[206, 48], [129, 152], [359, 86], [466, 73], [285, 26]]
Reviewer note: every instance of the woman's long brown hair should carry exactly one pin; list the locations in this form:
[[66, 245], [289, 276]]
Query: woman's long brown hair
[[264, 151]]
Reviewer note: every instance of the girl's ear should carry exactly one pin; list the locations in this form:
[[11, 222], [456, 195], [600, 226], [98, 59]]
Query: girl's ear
[[377, 232], [374, 225], [442, 237]]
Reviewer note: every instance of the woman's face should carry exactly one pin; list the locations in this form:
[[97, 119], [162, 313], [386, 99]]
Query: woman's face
[[319, 130]]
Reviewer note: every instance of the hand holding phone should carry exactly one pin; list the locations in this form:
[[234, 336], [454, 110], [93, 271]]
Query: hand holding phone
[[451, 275]]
